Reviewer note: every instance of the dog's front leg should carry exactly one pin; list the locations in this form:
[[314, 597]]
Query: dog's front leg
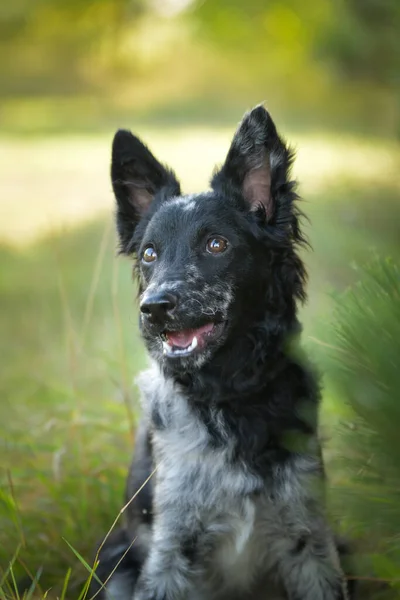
[[168, 571], [309, 567]]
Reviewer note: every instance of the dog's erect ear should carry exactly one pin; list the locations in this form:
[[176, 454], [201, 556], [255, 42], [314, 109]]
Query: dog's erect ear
[[136, 177], [257, 163]]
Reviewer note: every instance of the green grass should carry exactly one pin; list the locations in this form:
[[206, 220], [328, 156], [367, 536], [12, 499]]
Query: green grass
[[68, 407], [70, 347]]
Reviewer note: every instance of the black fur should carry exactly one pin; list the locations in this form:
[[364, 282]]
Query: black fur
[[244, 389]]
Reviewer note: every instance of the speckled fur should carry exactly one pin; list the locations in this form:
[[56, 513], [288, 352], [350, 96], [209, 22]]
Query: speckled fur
[[235, 509], [246, 533]]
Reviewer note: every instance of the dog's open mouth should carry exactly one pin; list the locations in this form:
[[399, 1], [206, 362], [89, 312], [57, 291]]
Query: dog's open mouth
[[187, 341]]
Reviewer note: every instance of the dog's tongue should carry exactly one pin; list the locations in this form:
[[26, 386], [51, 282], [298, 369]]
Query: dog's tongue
[[183, 339]]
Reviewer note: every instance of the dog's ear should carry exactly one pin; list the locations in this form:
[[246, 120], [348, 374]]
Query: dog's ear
[[257, 165], [136, 177]]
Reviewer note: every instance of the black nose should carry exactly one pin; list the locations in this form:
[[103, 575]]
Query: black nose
[[158, 305]]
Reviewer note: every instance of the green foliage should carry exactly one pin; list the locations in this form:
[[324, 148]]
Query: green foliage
[[362, 363], [363, 39], [361, 36], [362, 44], [311, 52], [271, 45], [310, 60], [62, 47]]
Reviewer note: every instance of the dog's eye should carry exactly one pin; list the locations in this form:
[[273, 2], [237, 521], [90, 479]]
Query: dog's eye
[[216, 245], [149, 254]]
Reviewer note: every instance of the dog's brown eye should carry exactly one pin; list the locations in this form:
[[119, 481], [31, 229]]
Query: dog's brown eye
[[149, 254], [216, 245]]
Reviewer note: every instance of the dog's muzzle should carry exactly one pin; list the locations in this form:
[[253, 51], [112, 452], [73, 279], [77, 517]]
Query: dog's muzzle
[[182, 327]]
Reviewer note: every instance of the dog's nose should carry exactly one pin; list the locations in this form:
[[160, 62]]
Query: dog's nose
[[158, 305]]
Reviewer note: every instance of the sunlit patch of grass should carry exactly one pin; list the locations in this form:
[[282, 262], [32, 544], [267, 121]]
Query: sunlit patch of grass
[[49, 183]]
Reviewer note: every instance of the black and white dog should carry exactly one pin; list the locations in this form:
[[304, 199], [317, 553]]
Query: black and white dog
[[235, 508]]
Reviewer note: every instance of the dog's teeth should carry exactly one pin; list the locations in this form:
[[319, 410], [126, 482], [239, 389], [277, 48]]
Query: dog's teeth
[[166, 347]]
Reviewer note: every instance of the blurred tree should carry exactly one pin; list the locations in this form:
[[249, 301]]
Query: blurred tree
[[363, 42], [269, 46], [51, 45], [363, 365], [331, 60], [314, 51]]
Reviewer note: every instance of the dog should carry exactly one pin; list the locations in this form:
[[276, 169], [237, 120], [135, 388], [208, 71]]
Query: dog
[[234, 509]]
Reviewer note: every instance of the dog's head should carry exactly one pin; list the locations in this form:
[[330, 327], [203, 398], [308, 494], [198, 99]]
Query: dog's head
[[214, 265]]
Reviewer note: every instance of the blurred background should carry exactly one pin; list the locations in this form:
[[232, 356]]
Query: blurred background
[[180, 73]]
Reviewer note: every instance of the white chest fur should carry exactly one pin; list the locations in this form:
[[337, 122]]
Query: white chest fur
[[187, 458], [201, 479]]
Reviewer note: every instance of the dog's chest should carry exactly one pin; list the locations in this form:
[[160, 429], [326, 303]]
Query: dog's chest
[[202, 481], [198, 477], [191, 463]]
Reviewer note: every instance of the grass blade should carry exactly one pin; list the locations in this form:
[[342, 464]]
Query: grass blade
[[65, 584], [33, 585], [15, 584], [90, 569]]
